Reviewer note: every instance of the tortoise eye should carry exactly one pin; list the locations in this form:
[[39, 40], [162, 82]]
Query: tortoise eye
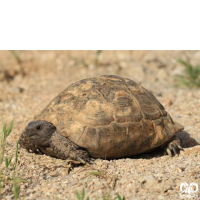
[[38, 127]]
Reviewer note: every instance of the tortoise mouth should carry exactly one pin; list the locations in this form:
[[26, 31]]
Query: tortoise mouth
[[36, 139], [29, 134]]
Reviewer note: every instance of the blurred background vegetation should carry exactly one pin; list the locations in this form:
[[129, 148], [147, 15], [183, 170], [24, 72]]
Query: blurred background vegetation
[[22, 71], [138, 65]]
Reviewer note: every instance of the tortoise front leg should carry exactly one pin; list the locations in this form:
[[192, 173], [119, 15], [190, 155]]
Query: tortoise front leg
[[64, 149]]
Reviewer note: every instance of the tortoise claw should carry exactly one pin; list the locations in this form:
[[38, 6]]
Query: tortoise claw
[[91, 161], [173, 147], [168, 151], [81, 160], [180, 147]]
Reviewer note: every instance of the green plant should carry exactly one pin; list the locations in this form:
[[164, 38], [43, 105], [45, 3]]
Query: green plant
[[96, 173], [83, 197], [83, 61], [16, 55], [5, 133], [191, 75], [120, 198], [6, 130], [15, 179], [97, 54]]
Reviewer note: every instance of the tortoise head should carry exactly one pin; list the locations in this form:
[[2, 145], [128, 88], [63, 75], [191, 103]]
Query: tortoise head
[[39, 132]]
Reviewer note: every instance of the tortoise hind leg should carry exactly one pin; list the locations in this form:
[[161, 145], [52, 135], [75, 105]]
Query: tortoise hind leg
[[173, 147]]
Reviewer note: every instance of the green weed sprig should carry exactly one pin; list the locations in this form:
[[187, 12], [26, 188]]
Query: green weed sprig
[[82, 196], [191, 75], [6, 130]]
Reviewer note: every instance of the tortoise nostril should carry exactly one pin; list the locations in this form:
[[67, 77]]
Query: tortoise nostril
[[39, 127]]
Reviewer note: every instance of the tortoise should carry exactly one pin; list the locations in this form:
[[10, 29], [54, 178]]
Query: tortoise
[[106, 117]]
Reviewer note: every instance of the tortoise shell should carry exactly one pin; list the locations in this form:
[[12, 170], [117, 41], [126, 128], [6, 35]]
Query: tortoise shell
[[111, 117]]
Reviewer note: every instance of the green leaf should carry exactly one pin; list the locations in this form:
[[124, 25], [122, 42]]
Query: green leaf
[[9, 128], [8, 161], [192, 74], [120, 198], [96, 173], [104, 198], [15, 189], [3, 132], [4, 128], [184, 63], [83, 194], [98, 52], [18, 180], [78, 195], [16, 152]]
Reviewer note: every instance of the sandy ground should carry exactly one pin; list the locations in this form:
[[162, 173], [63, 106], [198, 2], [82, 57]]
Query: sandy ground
[[30, 79]]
